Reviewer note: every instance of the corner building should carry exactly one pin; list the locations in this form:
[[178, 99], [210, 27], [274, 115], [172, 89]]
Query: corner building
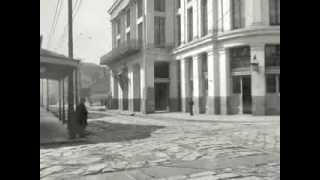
[[222, 54]]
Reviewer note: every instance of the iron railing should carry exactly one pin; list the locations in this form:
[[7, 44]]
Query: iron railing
[[123, 49], [131, 47]]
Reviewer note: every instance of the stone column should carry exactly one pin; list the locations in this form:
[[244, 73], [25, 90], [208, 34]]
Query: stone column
[[198, 85], [257, 12], [174, 89], [195, 9], [147, 85], [131, 88], [213, 106], [120, 95], [224, 17], [211, 10], [258, 80], [224, 80], [136, 88], [185, 91], [114, 91]]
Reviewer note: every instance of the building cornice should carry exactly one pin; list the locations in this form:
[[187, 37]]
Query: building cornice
[[251, 31], [113, 6], [222, 36], [194, 44]]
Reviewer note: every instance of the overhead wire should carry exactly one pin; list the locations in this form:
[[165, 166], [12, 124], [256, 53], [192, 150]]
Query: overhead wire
[[55, 21]]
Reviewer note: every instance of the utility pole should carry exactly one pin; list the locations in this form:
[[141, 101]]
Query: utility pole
[[70, 29], [71, 74]]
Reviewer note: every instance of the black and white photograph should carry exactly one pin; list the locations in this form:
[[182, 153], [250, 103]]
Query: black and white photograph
[[160, 89]]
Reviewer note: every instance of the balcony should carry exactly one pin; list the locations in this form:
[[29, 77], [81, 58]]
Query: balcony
[[124, 49]]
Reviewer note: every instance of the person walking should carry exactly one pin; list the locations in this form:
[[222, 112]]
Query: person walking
[[82, 117], [191, 107], [78, 122]]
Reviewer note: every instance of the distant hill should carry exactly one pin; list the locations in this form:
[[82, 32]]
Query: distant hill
[[92, 73]]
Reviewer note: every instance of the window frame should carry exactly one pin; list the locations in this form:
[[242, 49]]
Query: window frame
[[139, 8], [236, 85], [276, 88], [160, 5], [119, 26], [269, 61], [238, 17], [204, 18], [190, 24], [159, 30], [178, 20], [274, 12], [140, 32]]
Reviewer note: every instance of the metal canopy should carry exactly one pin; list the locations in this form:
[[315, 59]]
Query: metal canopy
[[55, 66]]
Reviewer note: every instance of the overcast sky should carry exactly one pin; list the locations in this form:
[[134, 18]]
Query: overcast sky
[[91, 28]]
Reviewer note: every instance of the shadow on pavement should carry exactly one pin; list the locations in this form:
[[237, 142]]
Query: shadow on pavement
[[105, 132]]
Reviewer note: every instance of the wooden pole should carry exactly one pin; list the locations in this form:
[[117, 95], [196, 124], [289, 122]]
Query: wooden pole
[[63, 103], [70, 29], [47, 94], [59, 97]]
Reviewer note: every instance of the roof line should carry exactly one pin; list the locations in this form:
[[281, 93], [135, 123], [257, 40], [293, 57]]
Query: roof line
[[113, 6]]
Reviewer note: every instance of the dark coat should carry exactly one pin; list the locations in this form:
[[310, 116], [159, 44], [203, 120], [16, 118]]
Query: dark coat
[[81, 114]]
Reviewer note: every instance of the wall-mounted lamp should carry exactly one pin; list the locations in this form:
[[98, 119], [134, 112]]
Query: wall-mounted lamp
[[254, 64]]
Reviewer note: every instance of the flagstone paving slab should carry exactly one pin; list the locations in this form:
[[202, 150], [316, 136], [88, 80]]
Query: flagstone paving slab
[[118, 144]]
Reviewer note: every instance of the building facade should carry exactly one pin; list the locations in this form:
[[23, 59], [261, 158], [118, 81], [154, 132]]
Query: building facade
[[224, 55]]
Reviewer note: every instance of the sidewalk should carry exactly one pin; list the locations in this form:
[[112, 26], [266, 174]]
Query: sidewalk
[[51, 129], [197, 118]]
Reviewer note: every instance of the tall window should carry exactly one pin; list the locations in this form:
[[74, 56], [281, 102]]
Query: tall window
[[274, 12], [161, 70], [240, 57], [190, 24], [178, 4], [236, 84], [128, 18], [273, 83], [178, 30], [140, 32], [238, 14], [160, 5], [159, 30], [139, 7], [272, 55], [118, 26], [204, 18]]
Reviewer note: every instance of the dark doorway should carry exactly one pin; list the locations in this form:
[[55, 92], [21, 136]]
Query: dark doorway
[[161, 96], [246, 95]]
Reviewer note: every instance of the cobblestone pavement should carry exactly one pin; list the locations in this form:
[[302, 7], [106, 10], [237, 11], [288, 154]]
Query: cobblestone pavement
[[128, 147]]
